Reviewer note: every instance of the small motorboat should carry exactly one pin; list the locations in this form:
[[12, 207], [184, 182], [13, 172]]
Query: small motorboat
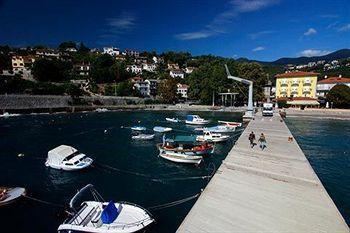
[[143, 137], [185, 144], [221, 129], [160, 129], [174, 120], [138, 128], [195, 120], [212, 137], [9, 195], [67, 158], [101, 110], [99, 216], [231, 123], [181, 157]]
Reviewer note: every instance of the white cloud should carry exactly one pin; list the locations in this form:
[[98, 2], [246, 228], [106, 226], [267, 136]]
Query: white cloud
[[314, 52], [256, 35], [344, 28], [119, 25], [310, 32], [260, 48], [194, 35], [332, 25], [220, 22]]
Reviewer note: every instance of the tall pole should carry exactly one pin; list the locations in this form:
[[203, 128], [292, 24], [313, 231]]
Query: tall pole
[[213, 99]]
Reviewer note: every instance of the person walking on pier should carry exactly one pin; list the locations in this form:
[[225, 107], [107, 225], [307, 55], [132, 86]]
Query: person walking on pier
[[262, 141], [252, 139]]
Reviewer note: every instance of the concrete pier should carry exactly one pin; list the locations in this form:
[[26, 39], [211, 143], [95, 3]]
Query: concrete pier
[[275, 190]]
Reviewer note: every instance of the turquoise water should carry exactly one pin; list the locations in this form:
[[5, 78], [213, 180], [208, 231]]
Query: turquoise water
[[35, 135], [326, 144]]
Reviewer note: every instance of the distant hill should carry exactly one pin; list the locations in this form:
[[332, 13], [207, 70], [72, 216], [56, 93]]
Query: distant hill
[[340, 54]]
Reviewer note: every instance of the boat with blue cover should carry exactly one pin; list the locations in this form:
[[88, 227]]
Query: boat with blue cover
[[195, 120], [99, 216]]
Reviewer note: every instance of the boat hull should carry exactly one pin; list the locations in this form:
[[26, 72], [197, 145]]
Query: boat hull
[[181, 158], [197, 122], [13, 194]]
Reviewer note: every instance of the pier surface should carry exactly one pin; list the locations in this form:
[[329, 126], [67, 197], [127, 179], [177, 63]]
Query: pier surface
[[275, 190]]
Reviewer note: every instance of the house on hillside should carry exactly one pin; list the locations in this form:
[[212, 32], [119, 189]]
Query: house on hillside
[[132, 53], [173, 66], [189, 70], [325, 85], [182, 89], [149, 67], [177, 73], [111, 51], [82, 69], [47, 53], [135, 69]]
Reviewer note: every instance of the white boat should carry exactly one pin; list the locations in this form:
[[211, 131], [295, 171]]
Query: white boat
[[221, 129], [9, 195], [138, 128], [181, 157], [175, 120], [99, 216], [231, 123], [101, 110], [212, 137], [195, 120], [143, 137], [160, 129], [67, 158]]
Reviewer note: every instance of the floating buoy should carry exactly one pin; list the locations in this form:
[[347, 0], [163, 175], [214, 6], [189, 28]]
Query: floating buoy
[[138, 121], [20, 155], [105, 131]]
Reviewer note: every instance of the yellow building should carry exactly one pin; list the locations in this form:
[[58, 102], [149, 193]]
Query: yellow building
[[296, 84]]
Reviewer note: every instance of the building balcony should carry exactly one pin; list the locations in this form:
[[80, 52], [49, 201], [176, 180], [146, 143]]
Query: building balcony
[[295, 84], [284, 84], [307, 84]]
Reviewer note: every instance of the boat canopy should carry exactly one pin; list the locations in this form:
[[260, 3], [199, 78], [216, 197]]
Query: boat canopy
[[109, 213], [58, 154], [182, 138], [191, 117]]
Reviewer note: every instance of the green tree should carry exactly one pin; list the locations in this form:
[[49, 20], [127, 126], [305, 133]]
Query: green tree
[[66, 45], [168, 91], [119, 72], [83, 49], [101, 69], [51, 70], [340, 96]]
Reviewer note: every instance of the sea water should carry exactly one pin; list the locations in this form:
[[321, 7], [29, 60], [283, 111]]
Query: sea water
[[326, 144], [139, 176]]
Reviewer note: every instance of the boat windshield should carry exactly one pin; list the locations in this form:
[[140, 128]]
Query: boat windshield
[[69, 157]]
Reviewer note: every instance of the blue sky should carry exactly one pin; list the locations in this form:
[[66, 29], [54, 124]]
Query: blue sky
[[256, 29]]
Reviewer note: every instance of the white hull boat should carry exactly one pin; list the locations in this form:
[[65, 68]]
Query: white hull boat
[[105, 217], [101, 110], [212, 137], [174, 120], [231, 123], [195, 120], [181, 157], [143, 137], [160, 129], [220, 129], [6, 115], [67, 158], [138, 128], [9, 195]]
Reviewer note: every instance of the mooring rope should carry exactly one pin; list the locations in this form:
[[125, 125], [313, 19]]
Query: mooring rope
[[173, 203], [43, 201]]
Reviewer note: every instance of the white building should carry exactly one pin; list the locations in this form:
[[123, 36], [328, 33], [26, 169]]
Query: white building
[[135, 69], [143, 88], [177, 74], [47, 53], [132, 53], [149, 67], [82, 69], [152, 86], [325, 85], [111, 51], [17, 64], [182, 89]]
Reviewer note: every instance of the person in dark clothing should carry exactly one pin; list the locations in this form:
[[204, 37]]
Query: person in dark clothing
[[262, 141], [252, 139]]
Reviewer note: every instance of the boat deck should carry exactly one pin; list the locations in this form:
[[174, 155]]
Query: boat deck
[[275, 190]]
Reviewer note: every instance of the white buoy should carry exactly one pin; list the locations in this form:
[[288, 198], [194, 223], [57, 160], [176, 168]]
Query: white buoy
[[20, 155], [105, 131]]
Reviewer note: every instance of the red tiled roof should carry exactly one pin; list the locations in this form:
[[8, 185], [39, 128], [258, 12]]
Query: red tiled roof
[[296, 74], [332, 80]]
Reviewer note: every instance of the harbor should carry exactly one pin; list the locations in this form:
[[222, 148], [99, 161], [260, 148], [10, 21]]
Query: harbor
[[274, 190]]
